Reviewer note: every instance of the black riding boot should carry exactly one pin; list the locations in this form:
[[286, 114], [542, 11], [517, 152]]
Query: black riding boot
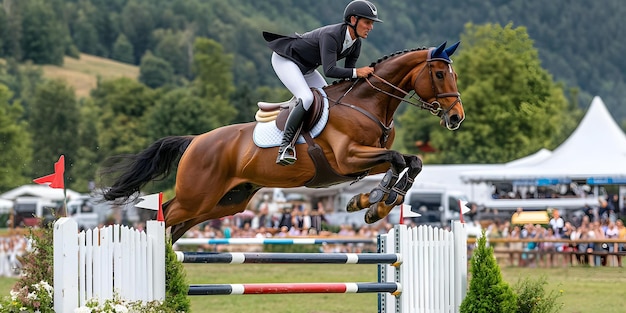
[[287, 152]]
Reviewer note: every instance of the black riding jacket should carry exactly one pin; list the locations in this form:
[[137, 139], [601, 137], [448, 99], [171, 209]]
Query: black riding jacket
[[321, 46]]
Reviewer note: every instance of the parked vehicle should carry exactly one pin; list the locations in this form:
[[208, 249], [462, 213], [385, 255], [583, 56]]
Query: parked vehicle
[[28, 210], [87, 213]]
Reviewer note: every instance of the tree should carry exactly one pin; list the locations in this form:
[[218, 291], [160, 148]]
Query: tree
[[213, 69], [214, 79], [512, 106], [123, 50], [488, 292], [175, 48], [42, 34], [122, 102], [85, 35], [155, 72], [53, 120], [16, 141], [89, 154], [137, 25]]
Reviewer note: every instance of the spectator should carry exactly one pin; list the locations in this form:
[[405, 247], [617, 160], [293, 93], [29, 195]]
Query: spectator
[[557, 223], [606, 210], [515, 258], [614, 202], [582, 233], [547, 248], [597, 233], [621, 234], [286, 219], [612, 232], [317, 217]]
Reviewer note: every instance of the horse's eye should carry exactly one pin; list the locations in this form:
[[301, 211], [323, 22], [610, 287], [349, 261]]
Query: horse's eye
[[439, 75]]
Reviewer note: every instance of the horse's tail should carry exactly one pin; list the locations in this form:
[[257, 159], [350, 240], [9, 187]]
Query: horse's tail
[[155, 162]]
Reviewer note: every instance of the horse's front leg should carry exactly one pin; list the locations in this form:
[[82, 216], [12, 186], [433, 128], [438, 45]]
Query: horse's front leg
[[366, 200], [396, 195]]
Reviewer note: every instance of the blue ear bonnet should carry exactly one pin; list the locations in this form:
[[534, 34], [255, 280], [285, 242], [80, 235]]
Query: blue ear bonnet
[[442, 53]]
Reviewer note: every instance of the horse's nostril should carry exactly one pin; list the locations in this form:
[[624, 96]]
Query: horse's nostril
[[455, 119]]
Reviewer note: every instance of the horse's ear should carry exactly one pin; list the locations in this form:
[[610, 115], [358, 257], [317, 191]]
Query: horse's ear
[[438, 50], [452, 48]]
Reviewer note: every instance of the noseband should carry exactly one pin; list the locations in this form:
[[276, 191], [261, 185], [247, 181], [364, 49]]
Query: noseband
[[433, 107]]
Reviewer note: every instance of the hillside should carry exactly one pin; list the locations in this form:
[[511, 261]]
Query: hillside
[[83, 73]]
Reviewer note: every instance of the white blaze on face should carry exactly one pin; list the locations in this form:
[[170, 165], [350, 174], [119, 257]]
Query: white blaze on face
[[450, 68]]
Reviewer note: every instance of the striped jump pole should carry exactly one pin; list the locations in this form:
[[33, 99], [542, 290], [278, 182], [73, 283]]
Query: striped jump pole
[[290, 258], [270, 241], [288, 288]]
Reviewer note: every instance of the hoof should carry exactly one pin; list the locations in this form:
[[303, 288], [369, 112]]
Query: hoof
[[353, 204], [372, 215]]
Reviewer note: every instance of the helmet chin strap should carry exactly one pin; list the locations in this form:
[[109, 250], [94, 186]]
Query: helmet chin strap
[[356, 34]]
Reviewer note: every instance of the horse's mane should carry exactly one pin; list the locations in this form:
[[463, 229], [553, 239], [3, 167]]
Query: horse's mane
[[380, 60]]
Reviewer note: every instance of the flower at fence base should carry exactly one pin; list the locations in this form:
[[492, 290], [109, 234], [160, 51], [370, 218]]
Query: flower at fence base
[[120, 308], [35, 298]]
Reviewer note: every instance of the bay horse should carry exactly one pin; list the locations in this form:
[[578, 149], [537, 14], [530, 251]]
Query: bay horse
[[219, 171]]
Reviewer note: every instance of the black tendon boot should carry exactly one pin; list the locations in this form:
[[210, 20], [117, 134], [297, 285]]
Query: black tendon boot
[[287, 152]]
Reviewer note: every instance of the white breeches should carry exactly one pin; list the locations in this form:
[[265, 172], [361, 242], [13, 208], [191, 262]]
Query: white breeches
[[299, 85]]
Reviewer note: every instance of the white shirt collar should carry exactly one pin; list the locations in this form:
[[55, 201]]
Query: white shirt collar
[[348, 41]]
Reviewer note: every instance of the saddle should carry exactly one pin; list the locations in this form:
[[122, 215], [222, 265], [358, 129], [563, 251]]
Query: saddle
[[325, 175], [280, 111]]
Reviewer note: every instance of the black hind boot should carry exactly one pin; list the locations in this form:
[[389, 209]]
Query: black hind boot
[[287, 152]]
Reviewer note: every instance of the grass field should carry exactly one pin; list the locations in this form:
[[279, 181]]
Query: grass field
[[83, 73], [585, 290]]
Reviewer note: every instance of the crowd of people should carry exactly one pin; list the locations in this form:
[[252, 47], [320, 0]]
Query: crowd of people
[[563, 240], [280, 220], [12, 248]]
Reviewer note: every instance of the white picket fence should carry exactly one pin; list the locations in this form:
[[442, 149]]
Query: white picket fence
[[98, 263], [101, 262], [433, 271]]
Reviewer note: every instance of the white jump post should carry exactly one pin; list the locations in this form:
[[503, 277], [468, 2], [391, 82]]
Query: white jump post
[[433, 273]]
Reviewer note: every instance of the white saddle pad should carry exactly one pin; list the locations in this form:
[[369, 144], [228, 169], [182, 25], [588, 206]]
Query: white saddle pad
[[267, 135]]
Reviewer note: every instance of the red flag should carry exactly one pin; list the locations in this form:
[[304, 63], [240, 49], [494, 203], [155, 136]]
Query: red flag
[[55, 180], [160, 211]]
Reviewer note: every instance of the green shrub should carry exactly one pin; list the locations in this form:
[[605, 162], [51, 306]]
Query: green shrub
[[176, 286], [532, 298], [488, 292]]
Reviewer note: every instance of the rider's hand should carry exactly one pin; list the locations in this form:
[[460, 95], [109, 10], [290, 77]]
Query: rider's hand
[[364, 71]]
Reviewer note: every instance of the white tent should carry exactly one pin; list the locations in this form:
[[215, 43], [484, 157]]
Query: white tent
[[39, 191], [595, 151]]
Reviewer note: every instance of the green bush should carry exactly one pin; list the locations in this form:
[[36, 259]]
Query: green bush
[[488, 292], [176, 286], [532, 298]]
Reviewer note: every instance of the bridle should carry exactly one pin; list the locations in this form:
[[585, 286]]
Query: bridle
[[433, 107]]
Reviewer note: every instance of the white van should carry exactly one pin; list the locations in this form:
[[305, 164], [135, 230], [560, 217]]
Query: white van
[[87, 211], [438, 207]]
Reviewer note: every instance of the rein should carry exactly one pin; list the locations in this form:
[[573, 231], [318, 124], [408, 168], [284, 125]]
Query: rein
[[433, 107]]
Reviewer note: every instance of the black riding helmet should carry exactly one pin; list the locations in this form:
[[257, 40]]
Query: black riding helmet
[[361, 8]]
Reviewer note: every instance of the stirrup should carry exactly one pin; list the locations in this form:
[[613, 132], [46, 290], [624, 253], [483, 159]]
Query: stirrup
[[287, 156]]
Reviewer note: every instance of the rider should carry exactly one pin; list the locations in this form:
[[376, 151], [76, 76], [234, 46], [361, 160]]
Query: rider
[[295, 60]]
